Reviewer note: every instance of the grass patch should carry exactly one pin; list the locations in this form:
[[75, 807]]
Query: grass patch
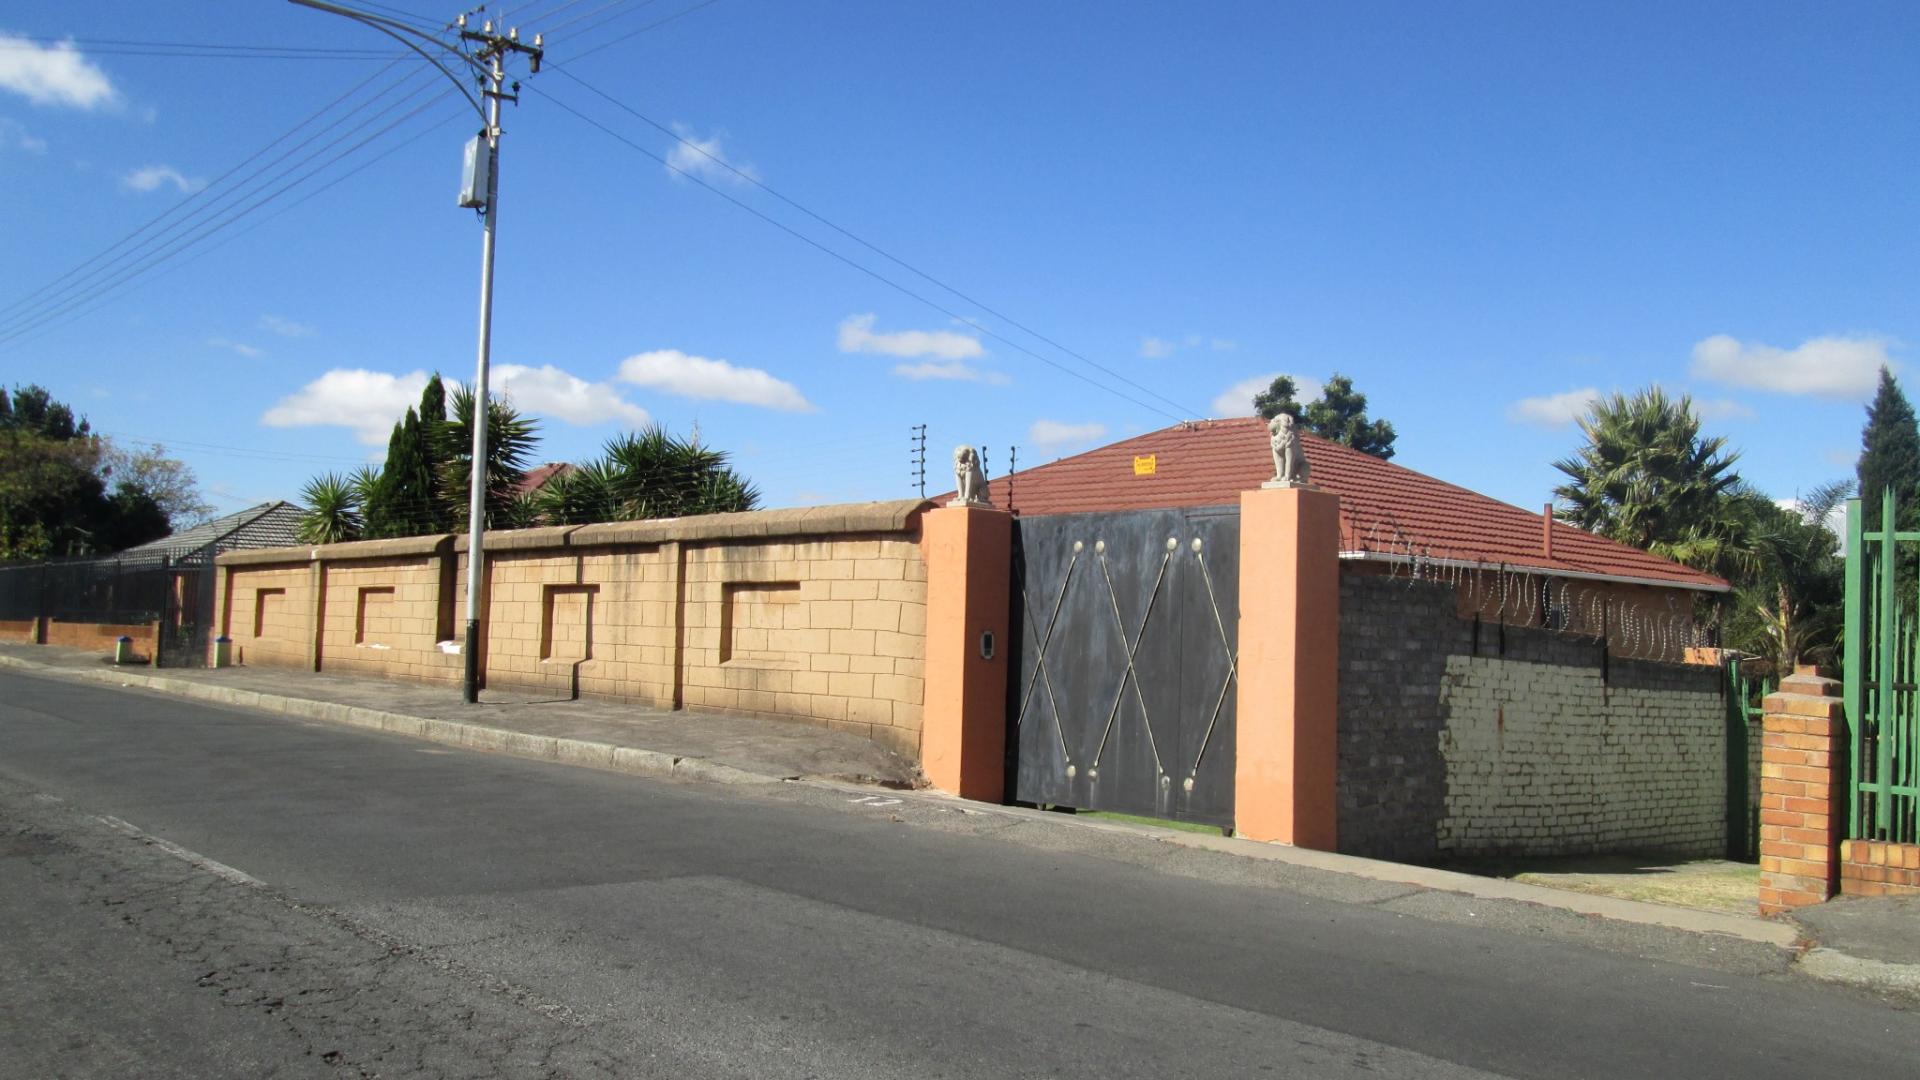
[[1141, 819]]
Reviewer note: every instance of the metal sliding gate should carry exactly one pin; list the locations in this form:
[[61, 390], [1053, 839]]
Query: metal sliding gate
[[1126, 629]]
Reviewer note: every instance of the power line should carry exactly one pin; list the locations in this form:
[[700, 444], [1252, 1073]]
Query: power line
[[868, 271], [683, 13], [82, 291], [231, 237], [876, 249], [192, 196], [19, 327]]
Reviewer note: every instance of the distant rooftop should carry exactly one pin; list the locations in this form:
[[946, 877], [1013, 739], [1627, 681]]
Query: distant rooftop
[[267, 525]]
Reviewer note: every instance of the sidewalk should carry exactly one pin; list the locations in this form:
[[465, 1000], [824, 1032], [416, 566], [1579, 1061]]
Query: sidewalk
[[1865, 942]]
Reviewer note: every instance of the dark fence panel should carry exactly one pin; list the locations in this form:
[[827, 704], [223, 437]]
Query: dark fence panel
[[175, 592]]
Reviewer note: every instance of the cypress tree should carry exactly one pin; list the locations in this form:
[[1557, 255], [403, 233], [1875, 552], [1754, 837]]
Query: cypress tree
[[1890, 454]]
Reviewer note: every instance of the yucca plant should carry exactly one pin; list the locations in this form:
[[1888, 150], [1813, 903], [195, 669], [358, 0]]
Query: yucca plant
[[332, 513], [511, 439]]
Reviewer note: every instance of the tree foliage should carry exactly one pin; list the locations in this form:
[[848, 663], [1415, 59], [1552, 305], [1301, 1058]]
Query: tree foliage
[[66, 491], [332, 514], [1890, 454], [511, 439], [646, 474], [1788, 603], [1338, 414], [1648, 478], [408, 498]]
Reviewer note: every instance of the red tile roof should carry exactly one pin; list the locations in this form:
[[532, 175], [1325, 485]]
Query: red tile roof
[[1386, 510], [536, 478]]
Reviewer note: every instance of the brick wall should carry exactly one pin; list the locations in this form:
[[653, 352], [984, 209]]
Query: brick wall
[[816, 615], [1545, 756], [1516, 743], [1874, 868], [21, 630]]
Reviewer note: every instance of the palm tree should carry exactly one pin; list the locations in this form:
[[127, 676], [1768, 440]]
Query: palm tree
[[1788, 609], [652, 474], [511, 439], [332, 513], [1647, 477]]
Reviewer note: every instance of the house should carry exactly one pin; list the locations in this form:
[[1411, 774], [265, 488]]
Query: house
[[1507, 684]]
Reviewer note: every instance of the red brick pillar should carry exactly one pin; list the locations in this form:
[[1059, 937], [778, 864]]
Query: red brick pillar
[[1802, 792]]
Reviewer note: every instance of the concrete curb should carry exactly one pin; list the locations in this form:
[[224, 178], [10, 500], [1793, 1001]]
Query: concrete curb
[[597, 755], [1831, 965]]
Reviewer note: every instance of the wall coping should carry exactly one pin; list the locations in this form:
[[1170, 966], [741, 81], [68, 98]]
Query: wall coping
[[890, 516]]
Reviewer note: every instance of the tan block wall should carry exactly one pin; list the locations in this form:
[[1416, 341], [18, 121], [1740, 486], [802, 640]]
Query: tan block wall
[[268, 612], [810, 615], [603, 616], [381, 618], [831, 629]]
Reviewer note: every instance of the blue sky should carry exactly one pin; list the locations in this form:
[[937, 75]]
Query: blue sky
[[1480, 212]]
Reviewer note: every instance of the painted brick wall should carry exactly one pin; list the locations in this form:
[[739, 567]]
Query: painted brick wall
[[1545, 757], [1514, 745]]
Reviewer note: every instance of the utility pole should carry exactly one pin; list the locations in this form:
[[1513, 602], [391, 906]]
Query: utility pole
[[485, 53]]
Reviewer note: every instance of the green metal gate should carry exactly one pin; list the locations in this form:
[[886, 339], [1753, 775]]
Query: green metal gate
[[1883, 707]]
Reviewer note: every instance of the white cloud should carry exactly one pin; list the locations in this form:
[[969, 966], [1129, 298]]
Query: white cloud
[[1841, 367], [150, 177], [15, 136], [368, 402], [240, 347], [1159, 348], [1054, 433], [698, 377], [1237, 400], [1553, 410], [54, 74], [955, 370], [858, 336], [704, 157], [1722, 409], [551, 392], [284, 327]]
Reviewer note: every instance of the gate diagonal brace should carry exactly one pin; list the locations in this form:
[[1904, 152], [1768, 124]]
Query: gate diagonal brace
[[1113, 596], [1233, 665], [1040, 661]]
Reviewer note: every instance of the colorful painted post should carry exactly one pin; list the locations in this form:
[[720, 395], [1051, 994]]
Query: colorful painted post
[[1286, 758], [963, 738]]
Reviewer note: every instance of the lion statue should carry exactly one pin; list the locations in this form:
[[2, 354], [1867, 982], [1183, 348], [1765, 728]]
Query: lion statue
[[1289, 458], [968, 479]]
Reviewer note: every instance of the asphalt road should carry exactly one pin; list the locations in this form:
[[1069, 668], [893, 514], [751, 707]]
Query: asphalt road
[[201, 892]]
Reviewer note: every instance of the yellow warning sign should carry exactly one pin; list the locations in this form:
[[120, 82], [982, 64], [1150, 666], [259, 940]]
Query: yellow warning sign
[[1145, 466]]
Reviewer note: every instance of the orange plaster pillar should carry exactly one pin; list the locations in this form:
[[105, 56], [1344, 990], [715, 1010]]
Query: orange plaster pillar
[[963, 738], [1285, 762]]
